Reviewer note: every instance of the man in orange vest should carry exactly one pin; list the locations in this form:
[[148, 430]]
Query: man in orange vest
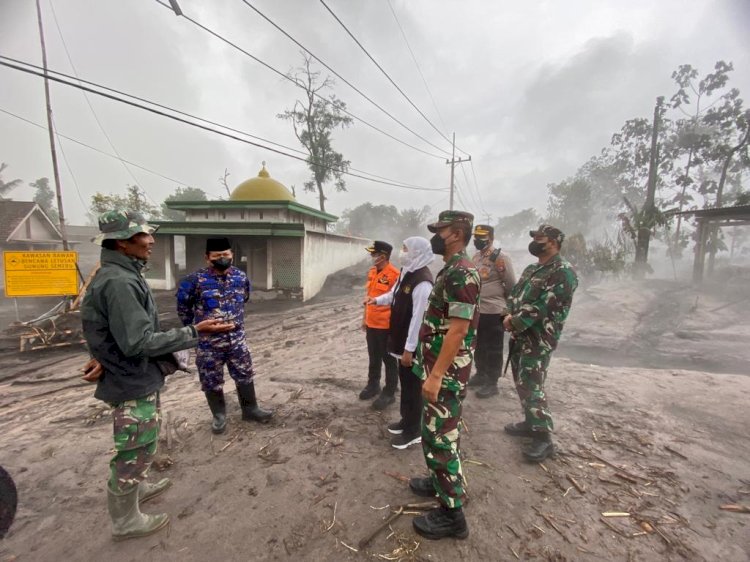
[[376, 320]]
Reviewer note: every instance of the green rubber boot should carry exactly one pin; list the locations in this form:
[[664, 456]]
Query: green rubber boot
[[147, 491], [127, 520]]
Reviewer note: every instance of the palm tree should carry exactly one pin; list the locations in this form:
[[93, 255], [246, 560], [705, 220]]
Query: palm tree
[[6, 187]]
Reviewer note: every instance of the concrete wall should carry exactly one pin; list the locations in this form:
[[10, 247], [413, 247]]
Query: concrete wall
[[324, 254], [255, 215]]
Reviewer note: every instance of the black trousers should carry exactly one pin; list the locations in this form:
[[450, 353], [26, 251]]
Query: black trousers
[[411, 400], [376, 349], [488, 355]]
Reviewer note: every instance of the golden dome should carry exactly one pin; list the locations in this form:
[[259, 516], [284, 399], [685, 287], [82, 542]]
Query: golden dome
[[262, 188]]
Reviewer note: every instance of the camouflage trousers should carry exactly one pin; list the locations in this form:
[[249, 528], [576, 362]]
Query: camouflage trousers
[[211, 361], [136, 433], [529, 364], [441, 424]]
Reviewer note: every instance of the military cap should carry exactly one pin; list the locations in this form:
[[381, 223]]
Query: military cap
[[484, 231], [380, 247], [549, 231], [218, 245], [121, 225], [447, 218]]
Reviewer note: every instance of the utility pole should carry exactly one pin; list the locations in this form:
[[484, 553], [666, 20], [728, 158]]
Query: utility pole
[[453, 161], [645, 223], [51, 129]]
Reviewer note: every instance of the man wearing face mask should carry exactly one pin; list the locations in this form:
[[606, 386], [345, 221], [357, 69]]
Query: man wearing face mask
[[376, 320], [220, 290], [496, 271], [537, 307], [444, 357]]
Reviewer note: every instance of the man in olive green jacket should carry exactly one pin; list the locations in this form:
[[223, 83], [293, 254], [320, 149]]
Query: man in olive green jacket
[[130, 356]]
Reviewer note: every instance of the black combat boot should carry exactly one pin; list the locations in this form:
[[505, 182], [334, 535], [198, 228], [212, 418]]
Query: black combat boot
[[478, 380], [422, 487], [488, 390], [519, 429], [215, 399], [372, 388], [250, 409], [540, 447], [385, 399], [441, 523]]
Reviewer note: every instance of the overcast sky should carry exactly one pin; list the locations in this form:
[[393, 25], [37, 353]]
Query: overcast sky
[[531, 89]]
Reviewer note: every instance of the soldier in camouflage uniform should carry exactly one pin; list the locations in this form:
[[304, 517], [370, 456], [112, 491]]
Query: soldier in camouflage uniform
[[538, 306], [220, 290], [121, 328], [443, 362]]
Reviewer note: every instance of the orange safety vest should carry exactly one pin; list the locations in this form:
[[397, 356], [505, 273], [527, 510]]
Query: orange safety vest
[[379, 283]]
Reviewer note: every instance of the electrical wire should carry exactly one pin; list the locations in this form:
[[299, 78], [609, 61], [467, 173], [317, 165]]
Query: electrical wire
[[293, 81], [344, 80], [392, 183], [408, 99], [85, 95], [419, 69]]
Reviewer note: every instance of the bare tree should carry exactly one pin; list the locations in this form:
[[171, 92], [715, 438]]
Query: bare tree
[[314, 119]]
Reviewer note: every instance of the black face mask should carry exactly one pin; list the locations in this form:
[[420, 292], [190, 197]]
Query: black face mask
[[221, 264], [438, 245], [480, 244], [537, 248]]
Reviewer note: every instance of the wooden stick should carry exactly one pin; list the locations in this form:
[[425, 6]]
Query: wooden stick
[[514, 552], [626, 477], [391, 518], [575, 483], [397, 476], [551, 524], [512, 530], [612, 465], [225, 447]]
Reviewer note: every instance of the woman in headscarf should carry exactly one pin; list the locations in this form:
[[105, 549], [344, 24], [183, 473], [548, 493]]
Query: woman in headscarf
[[408, 301]]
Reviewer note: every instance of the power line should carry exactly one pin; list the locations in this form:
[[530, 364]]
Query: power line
[[281, 74], [76, 141], [70, 171], [476, 183], [408, 99], [88, 102], [393, 183], [473, 193], [419, 69], [344, 80]]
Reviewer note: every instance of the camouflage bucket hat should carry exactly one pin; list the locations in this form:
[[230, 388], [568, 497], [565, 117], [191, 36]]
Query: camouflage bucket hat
[[549, 231], [447, 218], [121, 225]]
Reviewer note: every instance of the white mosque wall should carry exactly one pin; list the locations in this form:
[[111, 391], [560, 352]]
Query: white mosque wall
[[324, 254]]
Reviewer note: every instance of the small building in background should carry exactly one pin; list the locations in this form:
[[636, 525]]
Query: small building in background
[[282, 245], [24, 226]]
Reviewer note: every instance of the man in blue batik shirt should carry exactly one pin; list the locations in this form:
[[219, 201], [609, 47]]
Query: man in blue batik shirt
[[220, 290]]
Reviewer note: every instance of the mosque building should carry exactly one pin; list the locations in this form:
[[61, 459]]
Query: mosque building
[[283, 246]]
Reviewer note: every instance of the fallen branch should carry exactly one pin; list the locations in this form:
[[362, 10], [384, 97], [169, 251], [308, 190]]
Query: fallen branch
[[391, 518], [514, 552], [575, 483], [512, 530], [552, 524], [333, 521], [735, 508], [232, 440], [397, 476], [615, 514]]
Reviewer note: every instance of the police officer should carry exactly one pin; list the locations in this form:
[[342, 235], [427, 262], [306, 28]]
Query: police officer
[[538, 306], [381, 278], [220, 290], [496, 272], [444, 357]]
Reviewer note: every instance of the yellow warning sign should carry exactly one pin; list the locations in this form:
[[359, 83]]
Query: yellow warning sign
[[40, 274]]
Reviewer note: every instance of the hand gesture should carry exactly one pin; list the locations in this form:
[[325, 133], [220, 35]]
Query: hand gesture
[[213, 326], [92, 370], [407, 358]]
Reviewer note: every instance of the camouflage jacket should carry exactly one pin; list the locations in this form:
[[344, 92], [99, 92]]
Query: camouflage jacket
[[209, 294], [540, 302], [454, 295]]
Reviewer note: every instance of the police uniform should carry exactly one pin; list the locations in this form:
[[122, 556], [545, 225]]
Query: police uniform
[[496, 271]]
